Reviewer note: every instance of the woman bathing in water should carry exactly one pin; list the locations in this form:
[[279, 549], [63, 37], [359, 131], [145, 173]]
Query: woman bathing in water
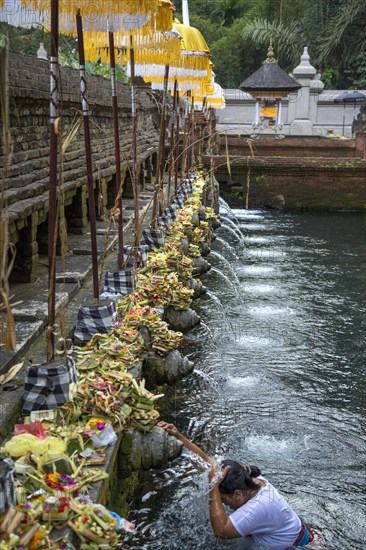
[[260, 512]]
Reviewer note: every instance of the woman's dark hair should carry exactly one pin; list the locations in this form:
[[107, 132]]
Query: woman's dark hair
[[239, 477]]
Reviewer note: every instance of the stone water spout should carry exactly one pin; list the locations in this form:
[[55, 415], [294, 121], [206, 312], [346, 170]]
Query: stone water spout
[[231, 230]]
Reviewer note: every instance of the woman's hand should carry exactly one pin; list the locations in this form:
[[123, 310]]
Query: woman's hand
[[170, 428], [173, 430], [217, 475]]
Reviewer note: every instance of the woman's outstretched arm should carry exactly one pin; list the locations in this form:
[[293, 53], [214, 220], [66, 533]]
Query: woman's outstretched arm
[[173, 430]]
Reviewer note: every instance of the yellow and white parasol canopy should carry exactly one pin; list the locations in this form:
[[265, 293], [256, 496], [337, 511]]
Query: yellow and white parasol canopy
[[193, 66]]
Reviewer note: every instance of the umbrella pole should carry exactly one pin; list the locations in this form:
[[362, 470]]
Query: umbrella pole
[[163, 137], [187, 147], [159, 181], [171, 145], [135, 183], [176, 146], [193, 134], [88, 154], [52, 195], [117, 149], [184, 145]]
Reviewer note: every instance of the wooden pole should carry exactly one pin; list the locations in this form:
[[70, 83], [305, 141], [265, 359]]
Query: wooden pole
[[52, 194], [163, 136], [117, 151], [193, 134], [88, 154], [135, 182], [187, 137], [159, 178], [171, 145], [177, 140]]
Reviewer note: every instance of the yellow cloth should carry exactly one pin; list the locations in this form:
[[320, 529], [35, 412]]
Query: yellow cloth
[[107, 7], [270, 112], [193, 40]]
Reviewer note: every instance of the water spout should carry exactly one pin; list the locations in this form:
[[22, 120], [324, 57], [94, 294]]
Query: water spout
[[207, 378], [229, 282], [238, 235], [220, 305], [228, 265], [225, 205], [227, 246]]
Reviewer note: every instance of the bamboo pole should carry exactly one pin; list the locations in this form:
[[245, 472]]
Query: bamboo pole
[[117, 150], [193, 135], [158, 191], [88, 154], [163, 136], [171, 144], [188, 138], [185, 141], [135, 182], [52, 194], [177, 140]]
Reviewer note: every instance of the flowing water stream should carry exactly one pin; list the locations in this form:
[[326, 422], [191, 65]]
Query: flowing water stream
[[279, 382]]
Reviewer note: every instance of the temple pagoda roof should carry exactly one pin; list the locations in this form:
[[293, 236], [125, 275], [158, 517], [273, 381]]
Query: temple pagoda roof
[[270, 77]]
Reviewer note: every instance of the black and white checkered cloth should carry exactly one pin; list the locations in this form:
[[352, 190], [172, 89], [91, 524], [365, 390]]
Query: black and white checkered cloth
[[94, 319], [170, 213], [183, 192], [154, 238], [188, 184], [50, 386], [163, 222], [136, 256], [120, 282], [178, 201], [7, 487]]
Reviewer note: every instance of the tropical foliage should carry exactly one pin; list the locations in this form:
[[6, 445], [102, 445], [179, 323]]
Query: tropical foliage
[[238, 32]]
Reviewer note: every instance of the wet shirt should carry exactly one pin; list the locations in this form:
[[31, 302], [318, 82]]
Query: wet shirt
[[268, 519]]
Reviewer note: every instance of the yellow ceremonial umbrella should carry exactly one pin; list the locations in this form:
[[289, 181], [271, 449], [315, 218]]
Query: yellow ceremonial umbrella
[[210, 95], [93, 11], [192, 68]]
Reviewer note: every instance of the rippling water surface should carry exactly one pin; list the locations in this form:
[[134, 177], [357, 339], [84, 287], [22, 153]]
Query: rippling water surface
[[279, 382]]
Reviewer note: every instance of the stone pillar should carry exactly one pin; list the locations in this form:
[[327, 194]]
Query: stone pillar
[[279, 112], [149, 170], [316, 88], [256, 120], [361, 145], [302, 125], [77, 212], [26, 260]]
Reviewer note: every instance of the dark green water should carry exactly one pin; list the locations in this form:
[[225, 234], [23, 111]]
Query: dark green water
[[280, 379]]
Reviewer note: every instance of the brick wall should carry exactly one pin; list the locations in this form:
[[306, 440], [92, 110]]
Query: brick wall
[[312, 147], [305, 183]]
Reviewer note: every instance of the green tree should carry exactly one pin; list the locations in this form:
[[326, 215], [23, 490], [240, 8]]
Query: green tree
[[333, 30]]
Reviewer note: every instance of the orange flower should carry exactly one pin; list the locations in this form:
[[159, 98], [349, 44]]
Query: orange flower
[[52, 477], [35, 540]]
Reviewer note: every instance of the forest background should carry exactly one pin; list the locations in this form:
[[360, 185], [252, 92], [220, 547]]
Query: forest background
[[238, 34]]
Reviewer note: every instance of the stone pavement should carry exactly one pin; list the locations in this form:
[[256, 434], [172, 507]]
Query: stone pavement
[[74, 288]]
